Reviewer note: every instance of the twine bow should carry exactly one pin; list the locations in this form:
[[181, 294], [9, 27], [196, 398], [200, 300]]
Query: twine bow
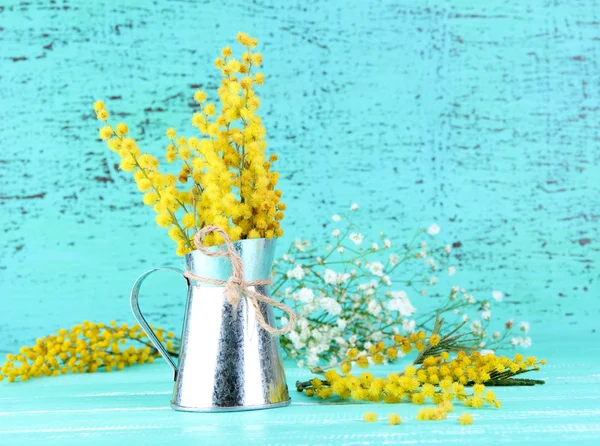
[[236, 287]]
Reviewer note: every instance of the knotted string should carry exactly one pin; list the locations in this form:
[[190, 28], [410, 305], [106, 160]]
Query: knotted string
[[236, 287]]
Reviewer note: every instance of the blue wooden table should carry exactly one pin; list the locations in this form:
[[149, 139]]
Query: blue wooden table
[[133, 406]]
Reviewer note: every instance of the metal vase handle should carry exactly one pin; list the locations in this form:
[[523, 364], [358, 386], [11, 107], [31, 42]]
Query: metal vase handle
[[135, 307]]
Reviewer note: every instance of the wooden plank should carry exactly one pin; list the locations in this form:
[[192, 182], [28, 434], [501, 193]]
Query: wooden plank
[[132, 405]]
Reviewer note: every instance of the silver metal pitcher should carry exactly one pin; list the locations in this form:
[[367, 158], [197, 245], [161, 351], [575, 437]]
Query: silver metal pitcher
[[227, 361]]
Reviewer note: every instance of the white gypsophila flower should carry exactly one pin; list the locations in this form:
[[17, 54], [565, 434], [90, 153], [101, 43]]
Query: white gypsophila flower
[[377, 336], [433, 230], [408, 325], [485, 352], [486, 315], [374, 246], [341, 341], [299, 245], [330, 277], [330, 305], [284, 320], [497, 295], [481, 344], [465, 317], [373, 307], [354, 207], [524, 327], [296, 273], [302, 324], [394, 259], [387, 280], [497, 334], [296, 340], [301, 363], [306, 295], [451, 270], [387, 243], [336, 217], [342, 323], [328, 248], [457, 311], [320, 260], [312, 357], [423, 292], [335, 233], [455, 289], [308, 309], [476, 325], [401, 303], [433, 280], [343, 278], [376, 268], [317, 335], [285, 257], [423, 245], [357, 238], [448, 249], [522, 342], [486, 305], [340, 249]]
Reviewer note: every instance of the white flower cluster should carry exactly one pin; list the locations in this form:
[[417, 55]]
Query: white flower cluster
[[352, 294]]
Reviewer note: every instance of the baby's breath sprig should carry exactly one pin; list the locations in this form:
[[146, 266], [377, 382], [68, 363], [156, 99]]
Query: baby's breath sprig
[[357, 291], [86, 348]]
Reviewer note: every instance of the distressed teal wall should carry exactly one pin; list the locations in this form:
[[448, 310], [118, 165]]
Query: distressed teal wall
[[479, 115]]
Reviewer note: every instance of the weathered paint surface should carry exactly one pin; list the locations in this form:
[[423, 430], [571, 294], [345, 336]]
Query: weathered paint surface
[[480, 116]]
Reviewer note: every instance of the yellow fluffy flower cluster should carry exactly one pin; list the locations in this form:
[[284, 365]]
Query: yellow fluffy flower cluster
[[85, 348], [465, 419], [225, 178], [440, 379], [380, 352], [432, 414]]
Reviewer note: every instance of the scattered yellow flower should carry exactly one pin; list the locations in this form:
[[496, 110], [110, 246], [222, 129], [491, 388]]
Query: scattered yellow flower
[[394, 419], [370, 417], [431, 414], [465, 418], [85, 348]]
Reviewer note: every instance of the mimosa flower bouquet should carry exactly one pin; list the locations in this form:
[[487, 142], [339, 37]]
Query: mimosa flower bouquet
[[224, 176], [224, 193]]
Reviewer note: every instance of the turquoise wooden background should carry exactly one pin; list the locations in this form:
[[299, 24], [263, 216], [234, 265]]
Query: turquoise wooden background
[[480, 116]]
